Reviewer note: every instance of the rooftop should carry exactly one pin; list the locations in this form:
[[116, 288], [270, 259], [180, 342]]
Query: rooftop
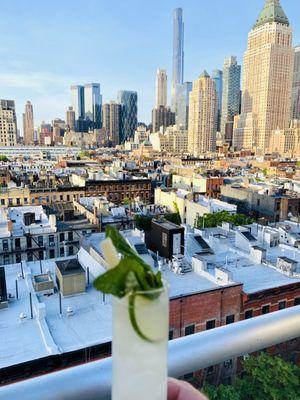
[[272, 12]]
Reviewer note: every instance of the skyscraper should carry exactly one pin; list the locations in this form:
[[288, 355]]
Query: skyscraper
[[92, 105], [162, 117], [178, 54], [8, 123], [296, 86], [77, 102], [28, 125], [217, 76], [267, 79], [202, 116], [128, 101], [183, 98], [161, 88], [230, 96], [111, 121], [70, 116]]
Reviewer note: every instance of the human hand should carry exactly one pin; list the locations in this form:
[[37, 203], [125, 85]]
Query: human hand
[[179, 390]]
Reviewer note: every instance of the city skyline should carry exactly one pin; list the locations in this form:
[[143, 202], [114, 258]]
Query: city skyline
[[46, 85]]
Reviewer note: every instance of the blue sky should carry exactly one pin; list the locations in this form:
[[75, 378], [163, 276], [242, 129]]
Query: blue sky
[[45, 46]]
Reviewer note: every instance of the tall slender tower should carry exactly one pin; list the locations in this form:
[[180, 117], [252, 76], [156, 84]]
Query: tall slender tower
[[202, 116], [217, 76], [92, 105], [231, 96], [267, 79], [128, 100], [28, 125], [296, 86], [161, 88], [178, 54]]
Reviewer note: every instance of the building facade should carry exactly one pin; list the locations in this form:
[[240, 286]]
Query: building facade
[[28, 124], [202, 116], [230, 96], [178, 54], [183, 101], [267, 78], [8, 123], [217, 76], [92, 105], [77, 102], [161, 88], [162, 117], [296, 86], [129, 109], [71, 119]]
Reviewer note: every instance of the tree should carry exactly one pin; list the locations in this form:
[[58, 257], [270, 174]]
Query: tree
[[173, 217], [265, 377], [215, 219], [143, 223], [84, 154], [3, 158]]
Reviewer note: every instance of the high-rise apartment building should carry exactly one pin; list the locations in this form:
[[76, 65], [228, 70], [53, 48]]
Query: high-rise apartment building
[[129, 108], [28, 124], [230, 96], [8, 123], [162, 117], [161, 88], [217, 76], [178, 54], [71, 119], [267, 79], [202, 116], [92, 105], [111, 113], [183, 98], [296, 86]]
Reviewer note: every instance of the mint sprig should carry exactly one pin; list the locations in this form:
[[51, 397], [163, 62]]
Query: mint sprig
[[132, 276]]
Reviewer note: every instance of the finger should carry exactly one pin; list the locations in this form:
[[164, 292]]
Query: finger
[[179, 390]]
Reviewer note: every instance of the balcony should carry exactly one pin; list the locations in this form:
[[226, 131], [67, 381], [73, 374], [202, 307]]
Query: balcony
[[92, 381]]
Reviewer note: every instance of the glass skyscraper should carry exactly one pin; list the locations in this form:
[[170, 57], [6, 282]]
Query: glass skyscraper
[[129, 107], [77, 100], [92, 105], [217, 76], [183, 96], [178, 54]]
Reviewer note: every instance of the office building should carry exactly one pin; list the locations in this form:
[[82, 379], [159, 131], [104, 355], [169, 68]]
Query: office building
[[183, 98], [77, 101], [230, 97], [217, 76], [162, 117], [178, 54], [92, 105], [8, 123], [28, 125], [71, 119], [202, 116], [296, 86], [111, 113], [161, 88], [267, 79], [128, 101]]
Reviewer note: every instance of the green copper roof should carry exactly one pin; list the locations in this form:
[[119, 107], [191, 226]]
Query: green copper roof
[[272, 12], [204, 74]]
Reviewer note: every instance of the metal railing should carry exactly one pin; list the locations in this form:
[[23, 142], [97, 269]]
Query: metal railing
[[92, 381]]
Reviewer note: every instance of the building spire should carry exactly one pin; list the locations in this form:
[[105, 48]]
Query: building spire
[[272, 12]]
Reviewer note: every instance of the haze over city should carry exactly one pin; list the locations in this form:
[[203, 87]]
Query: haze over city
[[48, 46]]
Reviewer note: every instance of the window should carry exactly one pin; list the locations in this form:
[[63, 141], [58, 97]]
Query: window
[[61, 237], [25, 200], [229, 319], [62, 251], [297, 301], [210, 324], [2, 202], [71, 251], [10, 202], [70, 236], [40, 241], [18, 258], [61, 197], [282, 305], [41, 255], [30, 256], [248, 314], [51, 240], [5, 245], [164, 239], [28, 242], [18, 243], [51, 253], [171, 334], [265, 309], [189, 330], [18, 201], [6, 259]]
